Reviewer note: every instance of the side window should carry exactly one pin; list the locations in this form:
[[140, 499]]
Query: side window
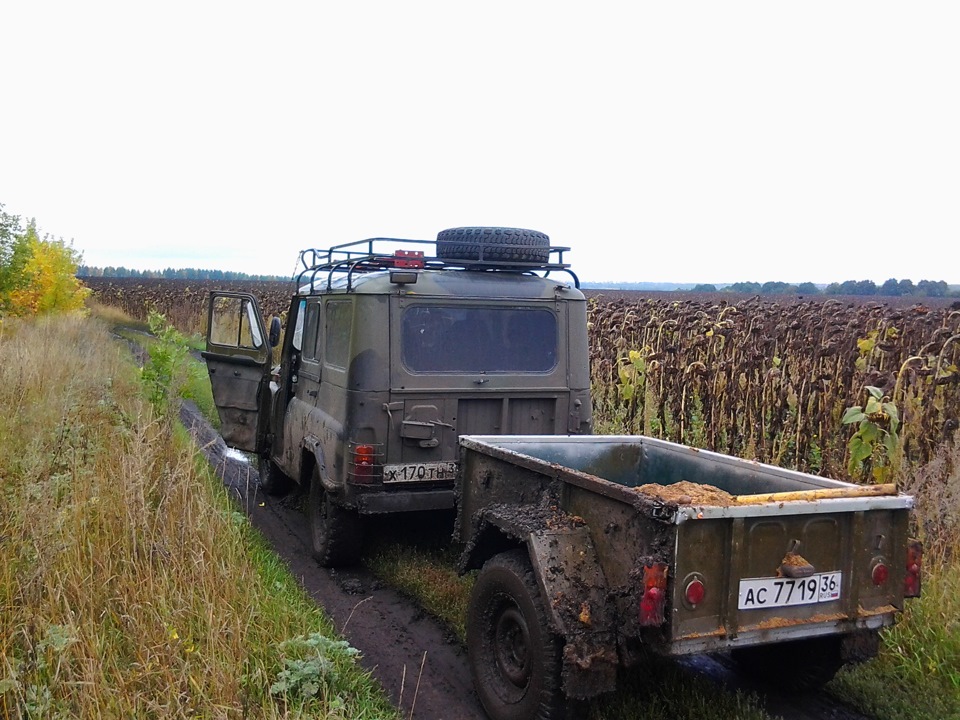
[[338, 325], [298, 328], [311, 331], [233, 323]]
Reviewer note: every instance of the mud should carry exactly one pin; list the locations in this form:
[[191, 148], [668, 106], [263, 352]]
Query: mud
[[688, 493]]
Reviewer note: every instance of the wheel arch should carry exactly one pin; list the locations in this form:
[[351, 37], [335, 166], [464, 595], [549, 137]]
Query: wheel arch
[[312, 457], [573, 588]]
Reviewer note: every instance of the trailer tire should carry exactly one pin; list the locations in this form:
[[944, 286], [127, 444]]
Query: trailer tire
[[796, 666], [273, 481], [494, 243], [336, 534], [513, 652]]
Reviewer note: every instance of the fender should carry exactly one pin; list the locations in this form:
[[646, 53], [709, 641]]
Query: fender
[[572, 584], [311, 445]]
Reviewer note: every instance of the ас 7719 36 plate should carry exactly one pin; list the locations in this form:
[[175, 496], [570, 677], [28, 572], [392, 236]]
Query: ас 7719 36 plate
[[762, 593]]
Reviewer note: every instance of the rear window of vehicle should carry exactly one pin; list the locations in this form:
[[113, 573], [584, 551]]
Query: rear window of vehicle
[[459, 339]]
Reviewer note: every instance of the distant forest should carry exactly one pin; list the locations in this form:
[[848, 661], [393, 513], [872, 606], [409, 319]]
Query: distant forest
[[171, 274], [891, 288]]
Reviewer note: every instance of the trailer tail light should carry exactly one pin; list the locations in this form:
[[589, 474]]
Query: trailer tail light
[[654, 598], [364, 463], [880, 573], [694, 593], [911, 581]]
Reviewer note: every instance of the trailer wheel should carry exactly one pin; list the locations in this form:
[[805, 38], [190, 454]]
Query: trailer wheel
[[796, 666], [336, 534], [513, 652], [494, 243], [273, 481]]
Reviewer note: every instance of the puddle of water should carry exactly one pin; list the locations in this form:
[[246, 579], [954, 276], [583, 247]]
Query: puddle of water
[[236, 455]]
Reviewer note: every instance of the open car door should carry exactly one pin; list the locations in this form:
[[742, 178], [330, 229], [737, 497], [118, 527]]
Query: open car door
[[238, 359]]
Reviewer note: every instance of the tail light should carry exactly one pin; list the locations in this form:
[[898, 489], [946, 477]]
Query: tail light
[[880, 572], [364, 462], [694, 592], [911, 580], [654, 598]]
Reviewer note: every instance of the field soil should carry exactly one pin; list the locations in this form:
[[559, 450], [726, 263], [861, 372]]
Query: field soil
[[419, 663]]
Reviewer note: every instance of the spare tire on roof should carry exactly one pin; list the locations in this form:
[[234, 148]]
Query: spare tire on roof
[[495, 243]]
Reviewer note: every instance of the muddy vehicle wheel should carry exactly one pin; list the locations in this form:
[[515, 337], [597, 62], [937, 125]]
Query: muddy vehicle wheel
[[496, 243], [514, 655], [796, 666], [273, 481], [336, 534]]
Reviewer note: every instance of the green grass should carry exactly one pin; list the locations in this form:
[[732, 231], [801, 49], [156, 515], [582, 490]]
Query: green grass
[[917, 673], [429, 575], [192, 379]]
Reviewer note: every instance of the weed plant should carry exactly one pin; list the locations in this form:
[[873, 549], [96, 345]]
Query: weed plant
[[129, 585]]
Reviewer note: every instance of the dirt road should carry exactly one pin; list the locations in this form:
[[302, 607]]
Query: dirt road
[[421, 667]]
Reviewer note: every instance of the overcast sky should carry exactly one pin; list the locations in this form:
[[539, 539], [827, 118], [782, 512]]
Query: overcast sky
[[689, 142]]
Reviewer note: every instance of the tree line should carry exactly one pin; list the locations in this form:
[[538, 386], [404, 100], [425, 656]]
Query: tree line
[[170, 274], [890, 288]]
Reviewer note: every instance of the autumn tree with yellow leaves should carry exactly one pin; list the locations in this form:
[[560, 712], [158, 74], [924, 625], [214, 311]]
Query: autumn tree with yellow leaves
[[37, 275]]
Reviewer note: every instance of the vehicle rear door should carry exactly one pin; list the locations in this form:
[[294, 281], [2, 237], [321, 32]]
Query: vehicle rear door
[[238, 361], [470, 366]]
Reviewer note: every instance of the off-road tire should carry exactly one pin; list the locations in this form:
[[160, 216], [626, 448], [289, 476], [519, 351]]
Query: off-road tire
[[273, 481], [336, 534], [496, 243], [514, 655], [797, 666]]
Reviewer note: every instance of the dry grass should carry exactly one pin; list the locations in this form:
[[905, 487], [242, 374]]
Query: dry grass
[[128, 585]]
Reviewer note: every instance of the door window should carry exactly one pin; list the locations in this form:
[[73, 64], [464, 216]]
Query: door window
[[233, 323]]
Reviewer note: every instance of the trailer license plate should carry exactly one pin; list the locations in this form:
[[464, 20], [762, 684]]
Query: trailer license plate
[[761, 593], [419, 472]]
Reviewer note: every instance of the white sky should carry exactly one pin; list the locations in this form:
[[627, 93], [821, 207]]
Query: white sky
[[689, 142]]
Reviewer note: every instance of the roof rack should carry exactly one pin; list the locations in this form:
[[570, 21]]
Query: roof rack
[[381, 253]]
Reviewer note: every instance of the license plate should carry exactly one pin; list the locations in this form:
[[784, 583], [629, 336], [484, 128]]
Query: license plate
[[419, 472], [762, 593]]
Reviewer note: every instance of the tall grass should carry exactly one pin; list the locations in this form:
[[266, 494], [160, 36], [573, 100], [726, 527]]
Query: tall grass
[[129, 586]]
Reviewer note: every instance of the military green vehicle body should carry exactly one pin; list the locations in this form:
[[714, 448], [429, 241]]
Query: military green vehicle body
[[387, 358]]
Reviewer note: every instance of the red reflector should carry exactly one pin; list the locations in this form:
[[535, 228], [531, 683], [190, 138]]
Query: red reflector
[[694, 592], [911, 580], [654, 598], [408, 259], [880, 573]]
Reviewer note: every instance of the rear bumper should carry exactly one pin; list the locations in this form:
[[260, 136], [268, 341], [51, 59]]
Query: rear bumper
[[719, 641], [405, 501]]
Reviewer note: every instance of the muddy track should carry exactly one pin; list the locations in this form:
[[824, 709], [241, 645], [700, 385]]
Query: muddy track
[[418, 662]]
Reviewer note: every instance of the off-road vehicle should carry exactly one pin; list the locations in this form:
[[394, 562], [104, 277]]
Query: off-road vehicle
[[392, 349]]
